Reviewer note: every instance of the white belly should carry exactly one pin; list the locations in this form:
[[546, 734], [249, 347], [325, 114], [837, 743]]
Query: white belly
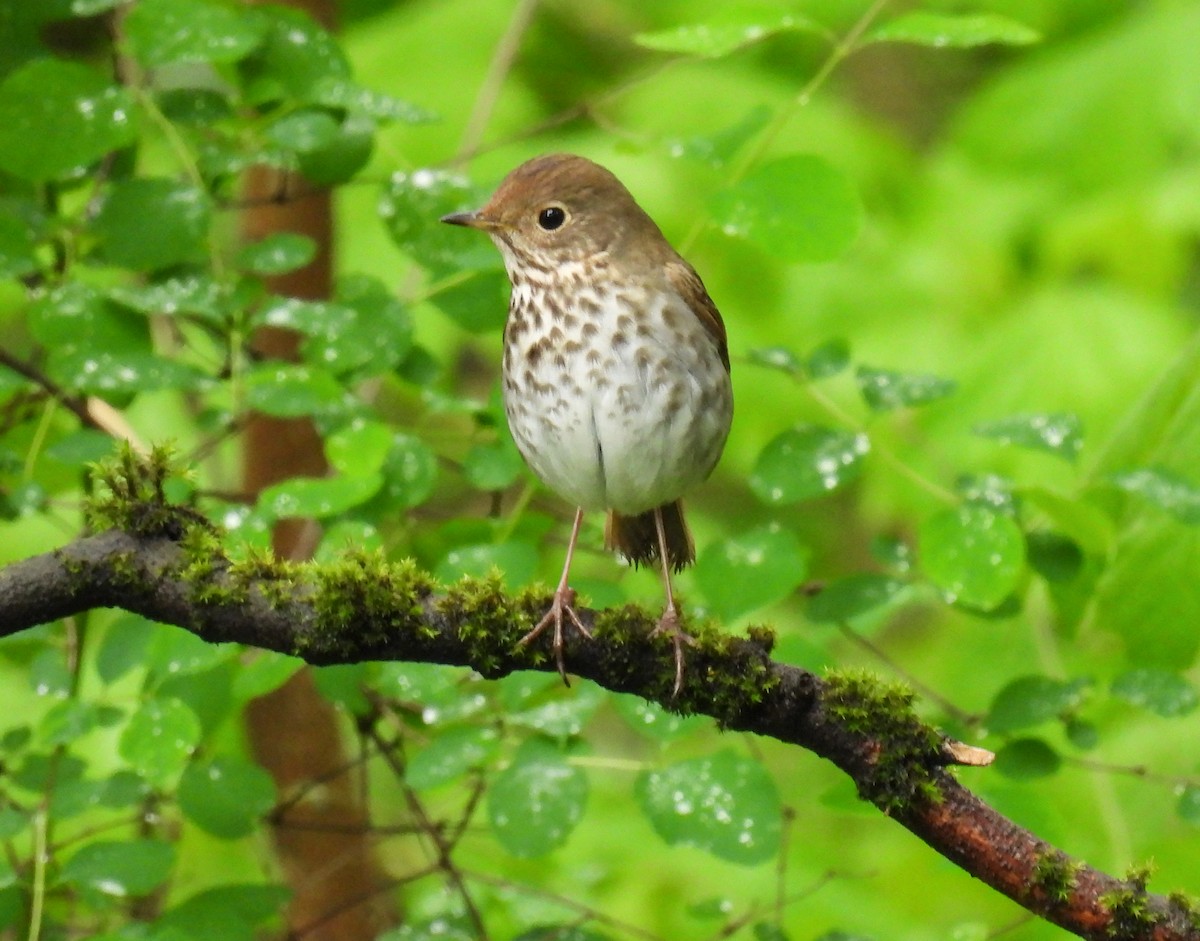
[[630, 425]]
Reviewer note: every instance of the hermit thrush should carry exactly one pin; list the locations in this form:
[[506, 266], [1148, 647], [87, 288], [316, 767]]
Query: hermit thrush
[[616, 369]]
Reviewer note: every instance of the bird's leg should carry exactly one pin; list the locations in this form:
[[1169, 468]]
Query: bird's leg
[[669, 622], [564, 597]]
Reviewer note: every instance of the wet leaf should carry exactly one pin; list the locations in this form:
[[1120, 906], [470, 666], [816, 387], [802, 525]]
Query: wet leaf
[[1031, 700], [535, 803], [884, 390], [752, 570], [958, 31], [1163, 693], [1060, 434], [725, 804], [161, 32], [57, 117], [728, 28], [974, 555], [807, 461]]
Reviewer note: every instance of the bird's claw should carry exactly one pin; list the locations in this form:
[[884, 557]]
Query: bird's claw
[[563, 602], [669, 624]]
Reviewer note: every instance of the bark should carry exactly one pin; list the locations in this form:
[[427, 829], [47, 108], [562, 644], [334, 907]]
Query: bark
[[339, 614]]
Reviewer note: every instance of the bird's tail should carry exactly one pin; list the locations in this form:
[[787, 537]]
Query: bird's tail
[[636, 537]]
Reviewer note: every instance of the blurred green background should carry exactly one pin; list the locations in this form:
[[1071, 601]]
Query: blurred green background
[[1020, 218]]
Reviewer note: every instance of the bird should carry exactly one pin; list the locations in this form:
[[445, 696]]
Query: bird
[[616, 380]]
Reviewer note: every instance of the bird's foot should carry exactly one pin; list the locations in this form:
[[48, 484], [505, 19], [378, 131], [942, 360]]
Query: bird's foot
[[560, 608], [669, 624]]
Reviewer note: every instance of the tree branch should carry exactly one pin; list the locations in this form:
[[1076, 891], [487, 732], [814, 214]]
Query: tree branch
[[363, 608]]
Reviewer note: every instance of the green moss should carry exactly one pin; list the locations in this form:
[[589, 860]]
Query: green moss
[[363, 599], [1129, 906], [1185, 905], [1054, 874], [485, 615], [128, 495], [903, 767]]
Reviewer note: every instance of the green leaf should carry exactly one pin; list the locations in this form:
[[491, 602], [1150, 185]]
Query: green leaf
[[1163, 693], [337, 159], [124, 646], [718, 149], [1027, 758], [17, 257], [776, 357], [160, 738], [198, 295], [439, 928], [958, 31], [1060, 433], [974, 555], [317, 497], [343, 684], [225, 796], [1086, 524], [796, 208], [278, 253], [264, 674], [853, 596], [652, 720], [334, 91], [147, 224], [535, 803], [884, 390], [361, 447], [453, 752], [161, 32], [751, 571], [296, 57], [479, 303], [560, 932], [1053, 556], [1133, 601], [100, 372], [123, 869], [412, 204], [516, 559], [807, 461], [1163, 489], [1082, 734], [561, 717], [729, 28], [75, 315], [409, 472], [228, 912], [493, 466], [1031, 700], [1188, 806], [48, 674], [56, 117], [991, 491], [195, 107], [286, 390], [725, 804], [304, 131], [828, 359], [68, 720]]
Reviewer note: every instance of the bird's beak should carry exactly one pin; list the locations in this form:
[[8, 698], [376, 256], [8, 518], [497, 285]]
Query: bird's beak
[[474, 219]]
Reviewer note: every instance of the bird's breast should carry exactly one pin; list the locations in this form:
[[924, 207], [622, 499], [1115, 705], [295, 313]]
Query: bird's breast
[[616, 395]]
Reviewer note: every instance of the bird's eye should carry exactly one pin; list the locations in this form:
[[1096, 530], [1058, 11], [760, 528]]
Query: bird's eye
[[552, 217]]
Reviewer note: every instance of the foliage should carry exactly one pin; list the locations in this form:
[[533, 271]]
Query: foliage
[[955, 250]]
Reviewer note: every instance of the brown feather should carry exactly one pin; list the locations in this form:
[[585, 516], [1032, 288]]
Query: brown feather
[[688, 285], [636, 537]]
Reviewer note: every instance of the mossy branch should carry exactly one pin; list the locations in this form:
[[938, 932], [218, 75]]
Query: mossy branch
[[168, 564]]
